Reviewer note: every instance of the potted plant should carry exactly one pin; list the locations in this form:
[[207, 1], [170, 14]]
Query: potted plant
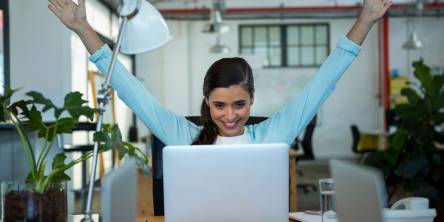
[[42, 196], [414, 161]]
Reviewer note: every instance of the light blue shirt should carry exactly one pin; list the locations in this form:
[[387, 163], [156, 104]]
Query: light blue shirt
[[281, 127]]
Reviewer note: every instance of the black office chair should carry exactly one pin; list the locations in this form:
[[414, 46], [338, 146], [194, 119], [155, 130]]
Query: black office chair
[[307, 142], [157, 165], [366, 143], [307, 147]]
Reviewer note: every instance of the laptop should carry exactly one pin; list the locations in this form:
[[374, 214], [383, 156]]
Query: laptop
[[118, 193], [221, 183], [360, 192]]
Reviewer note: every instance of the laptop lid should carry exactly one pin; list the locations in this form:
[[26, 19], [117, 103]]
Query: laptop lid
[[360, 192], [247, 183], [118, 193]]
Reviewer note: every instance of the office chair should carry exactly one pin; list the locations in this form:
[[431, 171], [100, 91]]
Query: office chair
[[307, 147], [366, 143], [157, 164]]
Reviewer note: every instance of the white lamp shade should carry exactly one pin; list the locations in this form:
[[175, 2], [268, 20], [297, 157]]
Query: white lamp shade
[[216, 49], [413, 42], [145, 31]]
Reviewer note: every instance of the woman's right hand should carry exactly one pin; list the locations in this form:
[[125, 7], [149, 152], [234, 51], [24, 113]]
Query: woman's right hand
[[71, 14], [74, 17]]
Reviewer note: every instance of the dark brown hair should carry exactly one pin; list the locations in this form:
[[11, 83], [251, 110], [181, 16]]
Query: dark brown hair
[[222, 73]]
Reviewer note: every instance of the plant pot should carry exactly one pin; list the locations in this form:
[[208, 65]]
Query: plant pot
[[21, 203]]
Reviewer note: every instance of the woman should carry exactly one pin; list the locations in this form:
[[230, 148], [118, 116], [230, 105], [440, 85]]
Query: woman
[[228, 88]]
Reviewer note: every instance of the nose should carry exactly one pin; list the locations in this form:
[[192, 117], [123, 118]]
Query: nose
[[230, 115]]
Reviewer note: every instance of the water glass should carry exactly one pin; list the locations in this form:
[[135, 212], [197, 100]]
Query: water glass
[[327, 199]]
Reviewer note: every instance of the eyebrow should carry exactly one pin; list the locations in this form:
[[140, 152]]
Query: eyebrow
[[237, 101]]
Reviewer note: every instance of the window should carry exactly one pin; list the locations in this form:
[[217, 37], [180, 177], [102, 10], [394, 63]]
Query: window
[[292, 45], [4, 46]]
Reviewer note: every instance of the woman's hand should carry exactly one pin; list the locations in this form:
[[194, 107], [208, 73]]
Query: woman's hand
[[74, 17], [373, 10], [71, 14]]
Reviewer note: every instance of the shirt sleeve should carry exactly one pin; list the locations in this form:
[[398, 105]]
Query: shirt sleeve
[[285, 125], [170, 128]]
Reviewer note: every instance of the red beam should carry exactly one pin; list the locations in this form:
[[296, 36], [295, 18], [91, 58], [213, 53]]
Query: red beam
[[289, 9], [435, 5], [384, 66]]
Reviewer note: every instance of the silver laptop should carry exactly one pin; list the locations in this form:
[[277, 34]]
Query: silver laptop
[[360, 192], [226, 183], [118, 193]]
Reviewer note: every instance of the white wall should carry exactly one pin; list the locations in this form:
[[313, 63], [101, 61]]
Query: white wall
[[39, 49]]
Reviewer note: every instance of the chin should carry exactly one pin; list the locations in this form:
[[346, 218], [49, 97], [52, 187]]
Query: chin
[[234, 132]]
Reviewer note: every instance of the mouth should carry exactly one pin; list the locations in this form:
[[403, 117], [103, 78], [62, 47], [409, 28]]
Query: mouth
[[230, 125]]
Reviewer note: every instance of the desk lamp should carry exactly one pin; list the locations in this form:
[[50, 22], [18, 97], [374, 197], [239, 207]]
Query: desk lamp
[[142, 28]]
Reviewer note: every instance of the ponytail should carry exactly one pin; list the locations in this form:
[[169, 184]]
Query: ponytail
[[208, 134]]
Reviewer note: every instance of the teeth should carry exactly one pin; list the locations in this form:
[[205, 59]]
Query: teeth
[[230, 124]]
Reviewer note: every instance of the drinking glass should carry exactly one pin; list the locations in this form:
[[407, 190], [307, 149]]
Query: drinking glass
[[327, 196]]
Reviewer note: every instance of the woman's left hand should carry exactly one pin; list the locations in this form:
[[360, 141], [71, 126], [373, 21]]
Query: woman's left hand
[[374, 9]]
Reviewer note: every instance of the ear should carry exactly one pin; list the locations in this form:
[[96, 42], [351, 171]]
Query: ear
[[252, 100], [206, 101]]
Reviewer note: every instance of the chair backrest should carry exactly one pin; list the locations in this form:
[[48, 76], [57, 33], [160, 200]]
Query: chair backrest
[[355, 136], [157, 163], [307, 141]]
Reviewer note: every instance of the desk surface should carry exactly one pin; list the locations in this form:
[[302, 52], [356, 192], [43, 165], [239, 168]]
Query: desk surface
[[160, 219]]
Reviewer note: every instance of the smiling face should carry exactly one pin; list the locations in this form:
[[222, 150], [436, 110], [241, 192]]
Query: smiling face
[[230, 109]]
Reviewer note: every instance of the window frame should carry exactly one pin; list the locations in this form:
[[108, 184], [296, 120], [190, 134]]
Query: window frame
[[284, 46], [6, 56]]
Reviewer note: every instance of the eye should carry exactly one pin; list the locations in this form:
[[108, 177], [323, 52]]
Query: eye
[[240, 104], [218, 105]]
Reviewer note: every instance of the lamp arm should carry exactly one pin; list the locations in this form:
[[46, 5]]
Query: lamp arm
[[103, 98]]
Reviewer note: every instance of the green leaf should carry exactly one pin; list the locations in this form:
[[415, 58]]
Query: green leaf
[[440, 100], [391, 156], [411, 95], [423, 74], [65, 125], [399, 140], [408, 112], [74, 104], [4, 116], [436, 86], [60, 176], [18, 107], [58, 161], [38, 98], [104, 140], [35, 120], [58, 165]]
